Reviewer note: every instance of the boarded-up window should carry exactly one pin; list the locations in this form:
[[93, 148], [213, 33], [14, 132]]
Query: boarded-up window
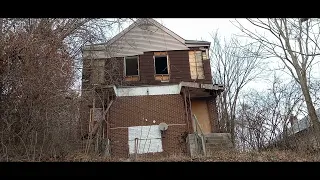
[[161, 64], [144, 139], [196, 65], [132, 66], [205, 54]]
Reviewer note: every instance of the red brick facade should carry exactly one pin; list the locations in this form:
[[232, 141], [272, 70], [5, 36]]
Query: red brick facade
[[213, 113], [133, 111]]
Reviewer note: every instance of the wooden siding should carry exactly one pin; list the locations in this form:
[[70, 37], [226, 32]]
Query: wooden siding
[[179, 70], [140, 37]]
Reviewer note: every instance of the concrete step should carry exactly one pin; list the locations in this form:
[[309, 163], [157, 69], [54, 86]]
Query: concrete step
[[215, 138], [210, 140], [215, 149], [218, 142], [218, 135], [219, 146]]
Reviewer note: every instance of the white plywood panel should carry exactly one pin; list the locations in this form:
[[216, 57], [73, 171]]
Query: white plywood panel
[[146, 146], [152, 90], [149, 139], [144, 132]]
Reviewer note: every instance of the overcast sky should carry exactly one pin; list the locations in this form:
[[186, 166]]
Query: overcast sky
[[202, 28], [199, 28]]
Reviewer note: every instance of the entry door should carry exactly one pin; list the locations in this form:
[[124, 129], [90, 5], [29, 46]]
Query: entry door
[[200, 109]]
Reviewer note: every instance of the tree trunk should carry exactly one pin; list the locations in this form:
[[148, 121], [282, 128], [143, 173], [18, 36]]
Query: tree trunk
[[311, 110], [233, 117], [232, 130]]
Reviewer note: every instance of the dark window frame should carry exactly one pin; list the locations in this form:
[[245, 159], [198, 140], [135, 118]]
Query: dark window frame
[[125, 66], [154, 63]]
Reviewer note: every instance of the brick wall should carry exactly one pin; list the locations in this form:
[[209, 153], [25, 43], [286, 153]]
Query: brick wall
[[132, 111], [213, 113]]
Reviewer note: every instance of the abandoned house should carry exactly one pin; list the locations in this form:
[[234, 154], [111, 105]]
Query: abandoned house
[[149, 91]]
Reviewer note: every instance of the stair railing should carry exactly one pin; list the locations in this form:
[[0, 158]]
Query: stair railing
[[199, 135]]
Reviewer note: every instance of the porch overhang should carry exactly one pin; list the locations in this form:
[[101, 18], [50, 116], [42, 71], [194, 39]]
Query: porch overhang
[[196, 90], [199, 90]]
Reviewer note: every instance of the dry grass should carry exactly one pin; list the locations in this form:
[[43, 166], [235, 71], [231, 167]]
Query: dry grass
[[219, 156]]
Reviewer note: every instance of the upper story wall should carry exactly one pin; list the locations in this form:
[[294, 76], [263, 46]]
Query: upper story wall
[[183, 65], [146, 53], [141, 36]]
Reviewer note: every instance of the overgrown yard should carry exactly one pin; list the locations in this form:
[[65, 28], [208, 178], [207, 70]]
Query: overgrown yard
[[221, 156]]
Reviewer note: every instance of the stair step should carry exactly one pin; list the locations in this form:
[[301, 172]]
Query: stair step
[[213, 146], [214, 149], [218, 143], [218, 135], [216, 140]]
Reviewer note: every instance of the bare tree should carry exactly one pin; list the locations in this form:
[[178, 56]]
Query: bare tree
[[38, 61], [295, 43], [234, 66], [263, 117]]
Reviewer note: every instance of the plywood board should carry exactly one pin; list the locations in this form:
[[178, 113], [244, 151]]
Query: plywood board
[[200, 109], [196, 65], [132, 78], [149, 139], [162, 77], [160, 53]]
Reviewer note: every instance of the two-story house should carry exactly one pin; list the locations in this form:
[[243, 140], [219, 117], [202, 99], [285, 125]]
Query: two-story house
[[145, 85]]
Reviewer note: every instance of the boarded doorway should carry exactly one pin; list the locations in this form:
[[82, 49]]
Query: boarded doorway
[[200, 109]]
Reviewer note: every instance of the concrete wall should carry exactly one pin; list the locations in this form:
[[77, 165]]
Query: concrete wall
[[194, 148]]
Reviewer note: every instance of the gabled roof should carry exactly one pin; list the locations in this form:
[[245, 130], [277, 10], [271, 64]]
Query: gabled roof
[[139, 22], [136, 40]]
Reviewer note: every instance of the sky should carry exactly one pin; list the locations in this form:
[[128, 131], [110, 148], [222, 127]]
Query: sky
[[199, 29], [202, 28]]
